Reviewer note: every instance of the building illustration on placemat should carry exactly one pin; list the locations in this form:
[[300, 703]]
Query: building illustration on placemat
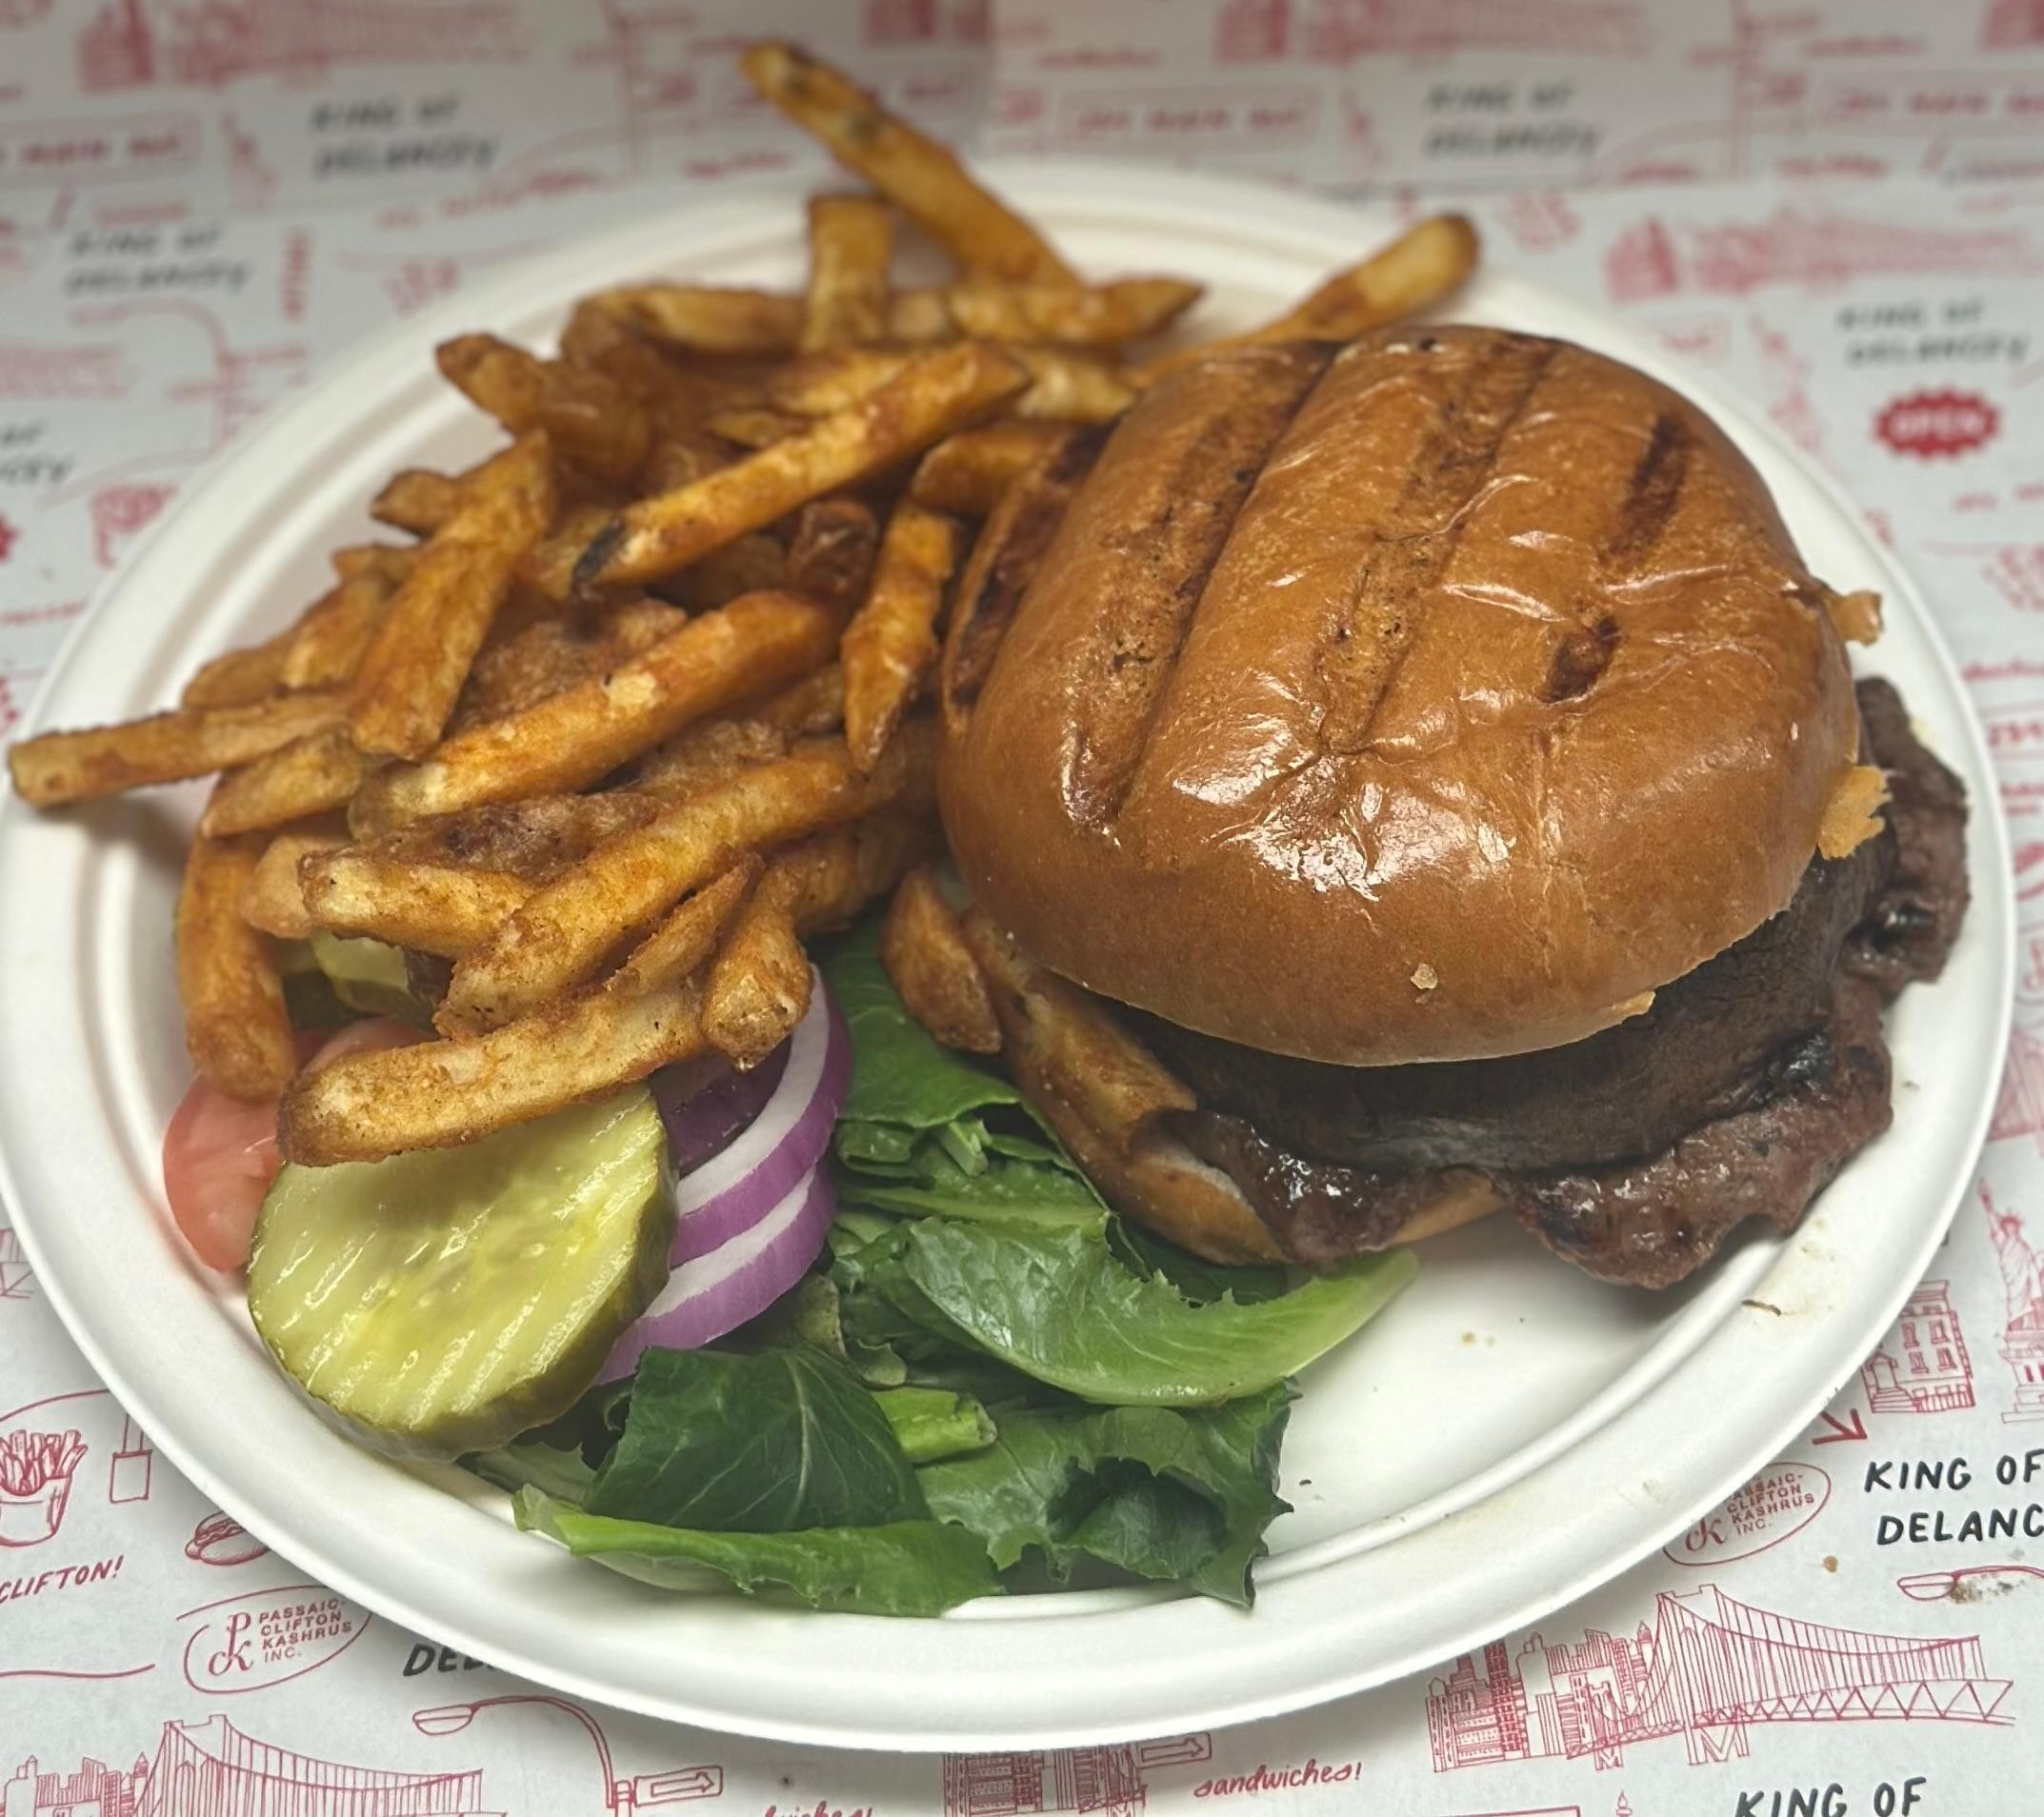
[[1922, 1366], [211, 1768], [1709, 1669], [1110, 1781], [2022, 1281]]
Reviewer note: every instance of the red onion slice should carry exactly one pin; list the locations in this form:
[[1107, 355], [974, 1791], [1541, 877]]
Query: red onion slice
[[705, 1103], [729, 1192], [715, 1293]]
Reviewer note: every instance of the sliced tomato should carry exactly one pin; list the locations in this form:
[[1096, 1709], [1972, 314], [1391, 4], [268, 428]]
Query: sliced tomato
[[220, 1154]]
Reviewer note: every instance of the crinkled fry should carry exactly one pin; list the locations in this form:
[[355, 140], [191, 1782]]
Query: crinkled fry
[[589, 417], [61, 767], [923, 947], [313, 776], [891, 644], [568, 929], [931, 396], [1413, 274], [442, 908], [572, 738], [236, 1027], [966, 473], [851, 240], [921, 176], [411, 673], [273, 901]]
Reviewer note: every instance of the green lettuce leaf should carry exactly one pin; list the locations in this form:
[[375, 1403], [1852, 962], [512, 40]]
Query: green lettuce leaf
[[1054, 1303], [766, 1442], [901, 1567], [1171, 1496]]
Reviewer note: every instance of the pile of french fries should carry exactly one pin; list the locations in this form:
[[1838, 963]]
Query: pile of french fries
[[643, 700]]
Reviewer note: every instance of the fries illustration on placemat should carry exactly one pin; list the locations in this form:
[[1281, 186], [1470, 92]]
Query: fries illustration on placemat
[[645, 699]]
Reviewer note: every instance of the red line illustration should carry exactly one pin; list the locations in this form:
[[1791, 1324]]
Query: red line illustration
[[16, 1282], [128, 1474], [89, 373], [1967, 1583], [1922, 1366], [2022, 1337], [1109, 1780], [2009, 24], [265, 1637], [120, 512], [202, 1769], [1799, 247], [224, 40], [1341, 31], [240, 382], [1709, 1669], [36, 1469], [220, 1540], [676, 1786]]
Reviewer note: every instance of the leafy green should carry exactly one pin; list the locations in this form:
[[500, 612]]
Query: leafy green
[[931, 1423], [1178, 1496], [528, 1463], [934, 1184], [766, 1442], [1054, 1303], [900, 1567]]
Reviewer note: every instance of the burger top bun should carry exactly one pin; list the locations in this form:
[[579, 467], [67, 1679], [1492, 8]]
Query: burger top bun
[[1433, 697]]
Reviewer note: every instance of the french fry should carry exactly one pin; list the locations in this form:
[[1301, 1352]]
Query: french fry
[[313, 775], [327, 644], [442, 908], [931, 396], [717, 749], [1063, 388], [831, 555], [572, 738], [1413, 274], [411, 673], [551, 654], [273, 900], [568, 927], [755, 563], [1067, 314], [588, 418], [417, 499], [236, 1027], [919, 176], [751, 427], [393, 561], [239, 677], [923, 947], [62, 767], [438, 1094], [851, 240], [891, 644], [709, 320], [550, 566], [681, 460], [758, 986], [535, 839], [1010, 546], [966, 473]]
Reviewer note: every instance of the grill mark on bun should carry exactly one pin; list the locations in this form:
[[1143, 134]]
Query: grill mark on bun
[[1580, 658], [1166, 552], [1358, 663], [1654, 490], [997, 571]]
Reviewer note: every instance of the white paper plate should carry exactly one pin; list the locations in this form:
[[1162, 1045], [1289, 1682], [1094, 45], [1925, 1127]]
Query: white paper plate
[[1509, 1434]]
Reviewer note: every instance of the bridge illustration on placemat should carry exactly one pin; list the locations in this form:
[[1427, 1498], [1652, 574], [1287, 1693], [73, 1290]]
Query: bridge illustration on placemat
[[1707, 1670], [1110, 1781]]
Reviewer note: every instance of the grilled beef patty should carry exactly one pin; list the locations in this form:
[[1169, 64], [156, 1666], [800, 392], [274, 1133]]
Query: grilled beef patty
[[1738, 1093]]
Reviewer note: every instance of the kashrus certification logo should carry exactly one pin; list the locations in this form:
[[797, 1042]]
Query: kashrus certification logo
[[250, 1642], [1930, 425], [1780, 1501]]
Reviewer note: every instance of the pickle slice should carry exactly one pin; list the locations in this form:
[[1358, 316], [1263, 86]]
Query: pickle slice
[[445, 1301], [370, 976]]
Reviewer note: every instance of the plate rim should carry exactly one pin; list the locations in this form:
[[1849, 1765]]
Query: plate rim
[[1049, 186]]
